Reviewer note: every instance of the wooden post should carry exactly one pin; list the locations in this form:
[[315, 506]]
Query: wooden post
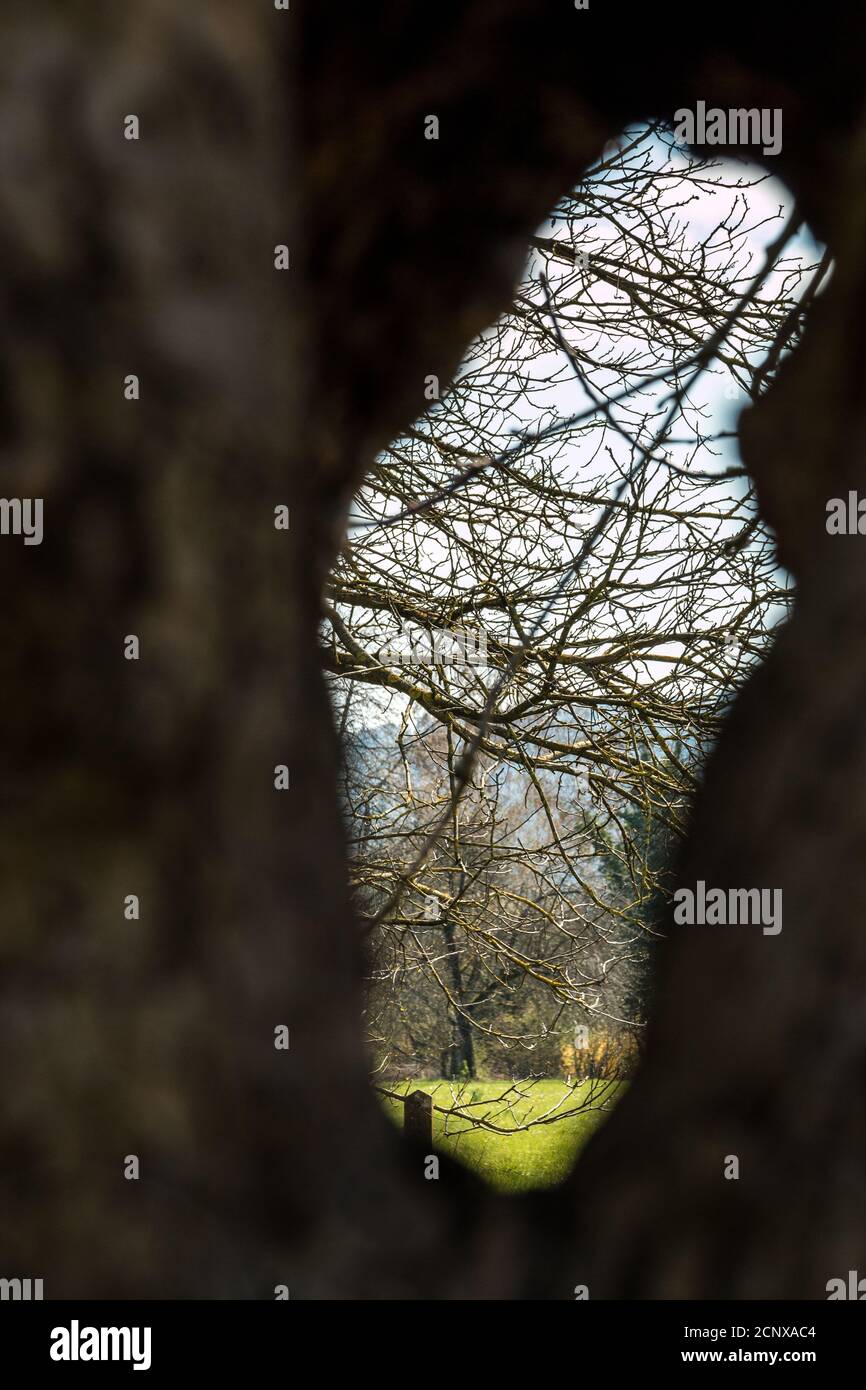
[[418, 1118]]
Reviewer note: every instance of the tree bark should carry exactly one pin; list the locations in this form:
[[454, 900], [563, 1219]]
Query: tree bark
[[261, 388]]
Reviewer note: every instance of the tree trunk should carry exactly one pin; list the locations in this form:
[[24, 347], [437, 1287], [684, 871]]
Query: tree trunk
[[463, 1048], [259, 388]]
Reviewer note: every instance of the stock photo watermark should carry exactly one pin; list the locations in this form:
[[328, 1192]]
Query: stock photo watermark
[[21, 1290], [414, 646], [77, 1343], [736, 126], [22, 516], [852, 1288], [704, 906], [846, 517]]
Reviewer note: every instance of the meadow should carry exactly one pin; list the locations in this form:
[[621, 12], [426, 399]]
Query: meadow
[[539, 1156]]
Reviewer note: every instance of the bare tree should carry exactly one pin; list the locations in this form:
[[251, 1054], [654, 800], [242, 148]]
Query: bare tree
[[262, 387], [599, 392]]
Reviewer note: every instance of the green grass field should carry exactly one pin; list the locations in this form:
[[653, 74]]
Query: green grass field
[[536, 1157]]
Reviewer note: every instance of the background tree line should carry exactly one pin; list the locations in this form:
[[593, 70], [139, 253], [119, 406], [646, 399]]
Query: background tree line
[[509, 910]]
